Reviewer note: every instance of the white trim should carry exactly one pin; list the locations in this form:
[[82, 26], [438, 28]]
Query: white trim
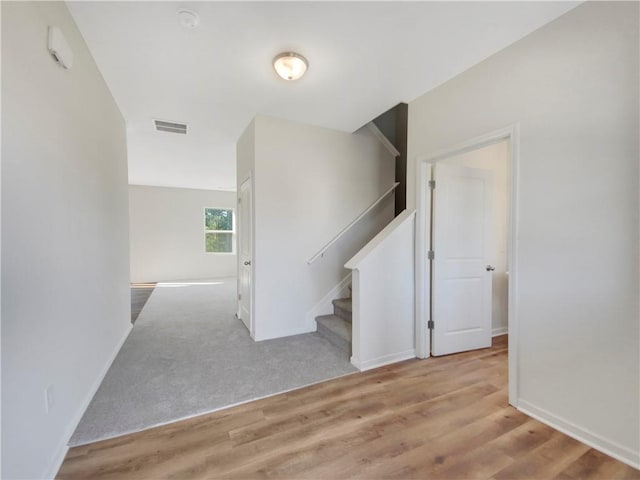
[[382, 361], [322, 251], [422, 277], [512, 251], [383, 139], [358, 258], [325, 305], [63, 448], [496, 332], [252, 323], [356, 324], [609, 447], [232, 231], [511, 133]]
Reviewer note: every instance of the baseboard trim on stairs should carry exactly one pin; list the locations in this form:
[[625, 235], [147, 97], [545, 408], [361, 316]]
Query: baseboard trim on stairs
[[324, 306], [604, 445], [382, 361], [63, 448]]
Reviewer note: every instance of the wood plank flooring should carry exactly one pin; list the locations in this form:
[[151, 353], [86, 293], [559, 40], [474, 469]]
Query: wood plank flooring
[[443, 418]]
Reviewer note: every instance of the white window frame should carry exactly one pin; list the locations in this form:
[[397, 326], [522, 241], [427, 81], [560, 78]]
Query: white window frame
[[232, 231]]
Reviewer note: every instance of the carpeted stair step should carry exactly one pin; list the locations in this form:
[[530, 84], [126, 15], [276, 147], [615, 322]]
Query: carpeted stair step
[[342, 308], [336, 330]]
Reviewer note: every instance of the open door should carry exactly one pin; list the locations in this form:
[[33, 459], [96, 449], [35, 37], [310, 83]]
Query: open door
[[462, 222], [244, 253]]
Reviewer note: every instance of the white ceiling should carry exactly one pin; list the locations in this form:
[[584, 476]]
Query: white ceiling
[[365, 57]]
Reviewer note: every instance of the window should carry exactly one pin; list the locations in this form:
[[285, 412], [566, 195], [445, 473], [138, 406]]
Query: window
[[218, 230]]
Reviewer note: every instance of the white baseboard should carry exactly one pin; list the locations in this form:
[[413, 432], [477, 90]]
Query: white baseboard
[[585, 436], [383, 360], [324, 306], [496, 332], [63, 448]]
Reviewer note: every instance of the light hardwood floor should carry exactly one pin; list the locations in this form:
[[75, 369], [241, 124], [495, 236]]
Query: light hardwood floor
[[445, 417]]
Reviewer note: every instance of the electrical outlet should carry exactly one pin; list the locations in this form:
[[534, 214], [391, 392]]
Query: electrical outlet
[[48, 398]]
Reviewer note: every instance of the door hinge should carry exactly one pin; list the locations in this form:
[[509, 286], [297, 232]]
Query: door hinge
[[430, 324], [239, 296], [430, 255], [432, 184]]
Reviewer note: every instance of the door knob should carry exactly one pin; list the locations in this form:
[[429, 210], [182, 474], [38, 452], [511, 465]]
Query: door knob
[[248, 262], [490, 268]]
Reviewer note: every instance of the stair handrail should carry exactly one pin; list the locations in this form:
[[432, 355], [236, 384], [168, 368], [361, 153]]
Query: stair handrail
[[383, 139], [322, 251]]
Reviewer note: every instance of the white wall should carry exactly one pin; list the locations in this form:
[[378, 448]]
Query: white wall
[[167, 234], [65, 256], [573, 88], [383, 296], [495, 158], [245, 154], [310, 183]]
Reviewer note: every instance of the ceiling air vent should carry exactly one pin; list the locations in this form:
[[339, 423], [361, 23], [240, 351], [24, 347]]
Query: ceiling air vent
[[171, 127]]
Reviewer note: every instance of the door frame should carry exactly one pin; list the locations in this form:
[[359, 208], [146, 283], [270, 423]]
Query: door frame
[[247, 178], [423, 235]]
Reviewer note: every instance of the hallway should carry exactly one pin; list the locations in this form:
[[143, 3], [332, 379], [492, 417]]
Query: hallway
[[187, 354]]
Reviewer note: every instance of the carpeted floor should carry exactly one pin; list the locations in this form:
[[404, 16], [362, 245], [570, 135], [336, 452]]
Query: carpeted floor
[[140, 293], [188, 354]]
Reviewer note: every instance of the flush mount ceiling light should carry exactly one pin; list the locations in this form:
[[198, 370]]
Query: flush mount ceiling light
[[290, 65], [188, 19]]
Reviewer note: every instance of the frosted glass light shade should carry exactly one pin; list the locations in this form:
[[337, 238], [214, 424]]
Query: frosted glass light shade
[[290, 65]]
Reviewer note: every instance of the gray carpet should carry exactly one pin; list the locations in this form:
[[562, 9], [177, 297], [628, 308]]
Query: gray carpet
[[187, 354], [140, 293]]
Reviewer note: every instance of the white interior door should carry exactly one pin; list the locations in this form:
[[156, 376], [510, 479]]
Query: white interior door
[[462, 223], [245, 223]]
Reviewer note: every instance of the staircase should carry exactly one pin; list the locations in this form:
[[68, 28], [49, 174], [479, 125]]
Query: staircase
[[337, 327]]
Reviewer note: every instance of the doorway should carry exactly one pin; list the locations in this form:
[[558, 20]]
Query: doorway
[[456, 309]]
